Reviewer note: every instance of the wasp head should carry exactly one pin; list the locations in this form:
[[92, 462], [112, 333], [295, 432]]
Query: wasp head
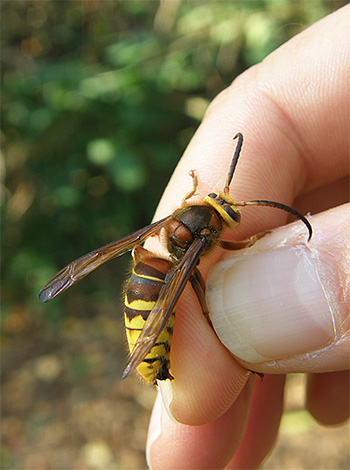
[[225, 207]]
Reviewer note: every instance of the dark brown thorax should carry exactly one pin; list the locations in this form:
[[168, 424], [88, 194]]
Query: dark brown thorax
[[198, 221]]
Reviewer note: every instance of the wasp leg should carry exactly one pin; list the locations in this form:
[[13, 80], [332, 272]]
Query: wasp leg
[[198, 286], [231, 245], [194, 176]]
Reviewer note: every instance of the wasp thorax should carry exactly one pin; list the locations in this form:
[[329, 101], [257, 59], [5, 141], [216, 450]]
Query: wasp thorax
[[225, 207], [190, 223]]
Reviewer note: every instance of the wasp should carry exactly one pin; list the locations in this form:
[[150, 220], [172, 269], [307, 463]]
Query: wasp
[[157, 283]]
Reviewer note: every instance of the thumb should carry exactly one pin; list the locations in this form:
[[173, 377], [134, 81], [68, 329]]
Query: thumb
[[283, 305]]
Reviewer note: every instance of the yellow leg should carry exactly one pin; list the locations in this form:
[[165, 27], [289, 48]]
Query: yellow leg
[[231, 245], [194, 176]]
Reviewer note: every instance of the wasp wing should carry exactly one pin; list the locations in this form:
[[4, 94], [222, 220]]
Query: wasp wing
[[81, 267], [175, 283]]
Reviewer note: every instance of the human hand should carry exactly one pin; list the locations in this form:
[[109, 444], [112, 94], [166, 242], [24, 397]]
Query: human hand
[[293, 112]]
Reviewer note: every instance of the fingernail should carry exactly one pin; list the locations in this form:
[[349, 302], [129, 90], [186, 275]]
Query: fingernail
[[166, 392], [155, 429], [270, 305]]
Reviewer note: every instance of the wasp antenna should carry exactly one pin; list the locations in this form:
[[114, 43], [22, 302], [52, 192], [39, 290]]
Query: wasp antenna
[[283, 207], [234, 162]]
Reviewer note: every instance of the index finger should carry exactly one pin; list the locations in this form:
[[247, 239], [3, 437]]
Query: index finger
[[292, 109]]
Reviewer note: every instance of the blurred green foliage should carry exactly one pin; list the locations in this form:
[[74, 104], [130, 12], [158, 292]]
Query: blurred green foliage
[[99, 100]]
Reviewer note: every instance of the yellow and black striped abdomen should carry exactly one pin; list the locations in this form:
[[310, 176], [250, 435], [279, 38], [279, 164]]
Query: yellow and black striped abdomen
[[142, 291]]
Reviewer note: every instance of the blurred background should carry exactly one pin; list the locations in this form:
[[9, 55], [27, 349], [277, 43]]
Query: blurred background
[[99, 100]]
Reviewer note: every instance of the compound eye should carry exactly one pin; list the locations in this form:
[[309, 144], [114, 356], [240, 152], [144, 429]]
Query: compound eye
[[234, 214], [213, 195]]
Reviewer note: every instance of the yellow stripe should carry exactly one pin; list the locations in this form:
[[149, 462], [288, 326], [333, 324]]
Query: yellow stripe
[[139, 304], [227, 218], [132, 337], [144, 276], [157, 351], [148, 371], [161, 352], [136, 323]]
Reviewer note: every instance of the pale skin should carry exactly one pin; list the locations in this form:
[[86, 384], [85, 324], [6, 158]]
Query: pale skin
[[293, 110]]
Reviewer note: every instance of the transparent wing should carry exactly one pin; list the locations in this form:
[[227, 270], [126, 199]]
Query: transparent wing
[[81, 267], [175, 283]]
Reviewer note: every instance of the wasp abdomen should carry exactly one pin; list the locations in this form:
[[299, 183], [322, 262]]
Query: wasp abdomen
[[142, 291]]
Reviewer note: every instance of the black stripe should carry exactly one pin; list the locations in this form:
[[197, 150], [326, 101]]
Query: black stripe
[[132, 313], [163, 343], [145, 269], [152, 360], [133, 329], [139, 288], [136, 279]]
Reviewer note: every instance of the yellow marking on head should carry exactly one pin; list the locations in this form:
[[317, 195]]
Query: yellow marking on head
[[213, 202]]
